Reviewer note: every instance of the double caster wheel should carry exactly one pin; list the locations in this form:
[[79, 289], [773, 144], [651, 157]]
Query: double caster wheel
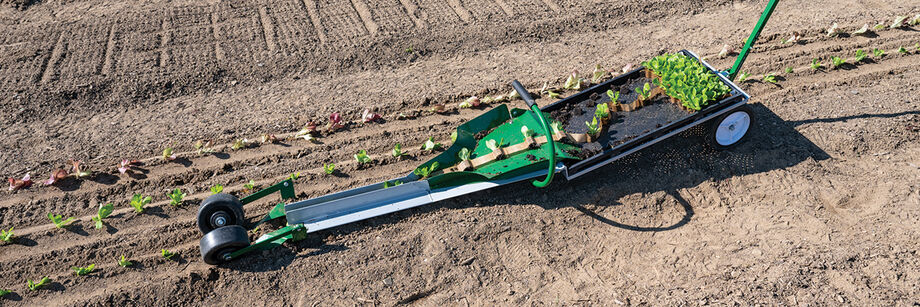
[[220, 219], [731, 128]]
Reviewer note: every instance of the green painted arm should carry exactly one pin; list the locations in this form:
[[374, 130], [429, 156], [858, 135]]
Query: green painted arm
[[750, 41]]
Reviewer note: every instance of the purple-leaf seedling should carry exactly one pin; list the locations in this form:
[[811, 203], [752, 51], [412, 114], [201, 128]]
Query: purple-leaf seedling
[[472, 102], [58, 220], [268, 138], [168, 154], [167, 254], [217, 188], [431, 145], [55, 176], [124, 262], [103, 212], [7, 235], [138, 201], [175, 197], [335, 122], [16, 184], [81, 271], [369, 116], [362, 157], [627, 68], [329, 168], [35, 285], [126, 166], [77, 170]]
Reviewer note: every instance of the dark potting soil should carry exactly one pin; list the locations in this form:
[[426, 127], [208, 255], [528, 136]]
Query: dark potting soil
[[623, 126]]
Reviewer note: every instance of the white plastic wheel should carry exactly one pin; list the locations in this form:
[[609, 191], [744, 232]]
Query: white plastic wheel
[[732, 128]]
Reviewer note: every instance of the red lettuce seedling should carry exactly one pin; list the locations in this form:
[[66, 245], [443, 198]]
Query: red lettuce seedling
[[627, 68], [796, 36], [472, 102], [16, 184], [77, 170], [439, 108], [369, 116], [126, 166], [55, 176], [335, 122], [269, 138]]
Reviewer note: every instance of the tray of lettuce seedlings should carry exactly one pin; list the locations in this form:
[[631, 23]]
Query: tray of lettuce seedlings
[[667, 94]]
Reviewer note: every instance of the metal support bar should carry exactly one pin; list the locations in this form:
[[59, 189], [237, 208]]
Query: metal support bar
[[273, 239], [750, 41], [286, 187], [551, 146]]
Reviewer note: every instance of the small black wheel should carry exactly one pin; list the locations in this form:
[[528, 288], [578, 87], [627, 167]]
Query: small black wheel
[[220, 210], [731, 128], [217, 245]]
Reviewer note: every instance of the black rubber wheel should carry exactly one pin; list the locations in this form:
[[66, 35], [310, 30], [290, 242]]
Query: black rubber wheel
[[731, 128], [218, 244], [220, 210]]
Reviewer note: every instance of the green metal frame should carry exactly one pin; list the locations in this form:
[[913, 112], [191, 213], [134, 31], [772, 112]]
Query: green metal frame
[[550, 148], [275, 238], [750, 41]]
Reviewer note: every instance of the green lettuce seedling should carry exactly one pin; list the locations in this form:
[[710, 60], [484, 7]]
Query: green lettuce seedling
[[878, 52], [614, 96], [743, 77], [902, 50], [424, 172], [58, 221], [397, 151], [557, 126], [294, 176], [249, 186], [838, 61], [527, 132], [879, 26], [103, 212], [602, 111], [217, 188], [7, 235], [4, 292], [362, 157], [593, 127], [598, 75], [644, 91], [167, 254], [83, 271], [815, 64], [329, 168], [138, 201], [35, 285], [430, 145], [175, 197], [464, 154], [860, 55], [789, 70], [494, 145], [573, 82], [123, 262], [770, 78], [387, 184], [861, 31], [168, 154]]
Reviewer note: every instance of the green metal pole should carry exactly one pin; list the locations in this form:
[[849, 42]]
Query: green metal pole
[[551, 147], [750, 41]]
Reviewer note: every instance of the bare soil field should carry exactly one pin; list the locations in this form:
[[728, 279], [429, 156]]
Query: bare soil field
[[820, 206]]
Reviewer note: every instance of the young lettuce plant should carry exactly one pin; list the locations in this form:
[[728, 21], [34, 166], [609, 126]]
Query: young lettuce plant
[[573, 82], [77, 170], [644, 91], [369, 116], [861, 31], [329, 168], [602, 111], [614, 96], [168, 154], [269, 138], [556, 126], [7, 235], [36, 285], [424, 172], [124, 262], [770, 78], [16, 184], [249, 186], [240, 144], [860, 55], [167, 254], [789, 70], [598, 75], [464, 154], [335, 122], [294, 176], [387, 184], [103, 212], [593, 127], [125, 166], [815, 64], [203, 147], [902, 50], [397, 151], [217, 188], [56, 176], [743, 77], [899, 21], [838, 61], [362, 157], [58, 220], [431, 145], [175, 197], [878, 52], [4, 292], [494, 145], [834, 30], [82, 271], [307, 132], [138, 201], [472, 102], [879, 26]]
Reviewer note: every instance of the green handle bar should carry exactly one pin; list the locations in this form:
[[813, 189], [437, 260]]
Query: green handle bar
[[546, 130], [750, 42]]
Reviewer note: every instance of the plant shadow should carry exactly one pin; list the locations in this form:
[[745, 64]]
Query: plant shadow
[[182, 161], [76, 228]]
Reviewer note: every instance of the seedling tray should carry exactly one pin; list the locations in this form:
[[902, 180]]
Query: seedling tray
[[632, 130]]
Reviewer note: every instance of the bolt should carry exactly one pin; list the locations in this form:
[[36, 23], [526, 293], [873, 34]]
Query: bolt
[[220, 221]]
